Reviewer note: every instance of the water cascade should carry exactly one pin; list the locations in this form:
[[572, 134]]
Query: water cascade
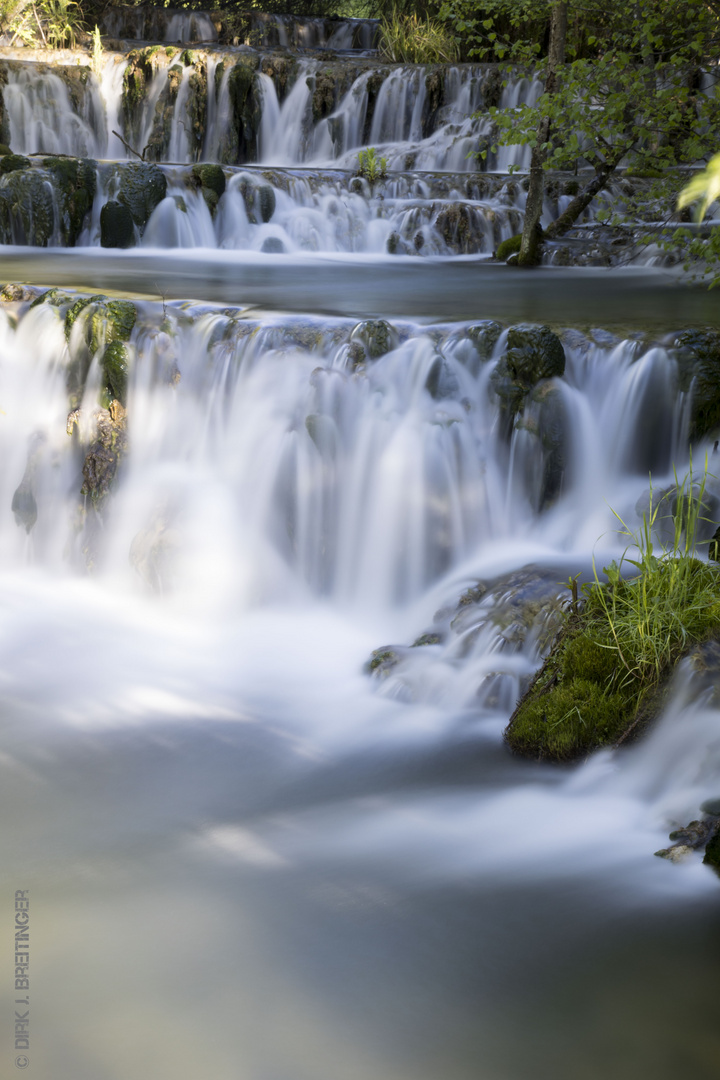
[[272, 582]]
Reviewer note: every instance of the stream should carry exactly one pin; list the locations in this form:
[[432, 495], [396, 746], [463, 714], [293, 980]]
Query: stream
[[247, 855]]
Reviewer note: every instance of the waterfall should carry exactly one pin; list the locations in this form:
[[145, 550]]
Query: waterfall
[[273, 579], [42, 117]]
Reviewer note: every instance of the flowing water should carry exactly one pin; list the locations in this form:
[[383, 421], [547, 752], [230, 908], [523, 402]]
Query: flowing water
[[248, 857]]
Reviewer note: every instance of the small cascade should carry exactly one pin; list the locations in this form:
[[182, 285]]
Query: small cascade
[[53, 113]]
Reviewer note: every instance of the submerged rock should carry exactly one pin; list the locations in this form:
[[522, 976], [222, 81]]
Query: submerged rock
[[24, 504]]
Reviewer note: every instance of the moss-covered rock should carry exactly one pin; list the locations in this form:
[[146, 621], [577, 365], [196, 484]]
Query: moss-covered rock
[[13, 162], [376, 336], [107, 325], [75, 182], [241, 141], [211, 180], [117, 229], [590, 692], [532, 353], [508, 247], [142, 185]]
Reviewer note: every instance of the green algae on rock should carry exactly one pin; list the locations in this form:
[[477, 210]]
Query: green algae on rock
[[593, 690]]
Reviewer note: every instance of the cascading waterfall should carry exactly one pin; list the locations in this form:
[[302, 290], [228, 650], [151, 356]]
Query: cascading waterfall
[[271, 585], [43, 118]]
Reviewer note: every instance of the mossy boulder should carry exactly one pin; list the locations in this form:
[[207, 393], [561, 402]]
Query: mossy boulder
[[484, 336], [376, 336], [508, 247], [107, 326], [75, 183], [698, 359], [117, 228], [142, 185], [13, 162], [211, 180], [532, 353], [241, 142], [600, 684]]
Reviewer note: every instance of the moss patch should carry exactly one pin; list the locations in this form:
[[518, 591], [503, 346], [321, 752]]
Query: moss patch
[[588, 694], [508, 247]]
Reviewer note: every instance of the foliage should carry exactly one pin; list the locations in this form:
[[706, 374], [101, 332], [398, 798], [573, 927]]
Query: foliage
[[370, 166], [603, 679], [637, 85], [54, 24], [97, 52], [705, 188], [654, 615], [411, 39]]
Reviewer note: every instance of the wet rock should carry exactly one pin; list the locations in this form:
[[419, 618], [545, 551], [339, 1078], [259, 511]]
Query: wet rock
[[492, 88], [712, 852], [441, 381], [266, 202], [484, 336], [382, 661], [273, 245], [434, 98], [107, 325], [698, 358], [376, 336], [13, 162], [105, 454], [27, 213], [241, 144], [211, 180], [74, 181], [427, 639], [323, 87], [117, 229], [24, 505], [141, 187], [676, 853], [544, 419], [532, 353]]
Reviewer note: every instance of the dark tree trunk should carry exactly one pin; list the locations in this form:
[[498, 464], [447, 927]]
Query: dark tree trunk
[[582, 200], [532, 233]]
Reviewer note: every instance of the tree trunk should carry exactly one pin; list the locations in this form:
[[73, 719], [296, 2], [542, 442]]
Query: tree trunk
[[581, 201], [532, 232]]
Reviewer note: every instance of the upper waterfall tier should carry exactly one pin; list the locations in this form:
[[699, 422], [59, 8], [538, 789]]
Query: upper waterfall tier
[[242, 106], [254, 28]]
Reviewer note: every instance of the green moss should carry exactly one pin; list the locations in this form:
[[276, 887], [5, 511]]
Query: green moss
[[508, 247], [115, 370], [187, 57], [427, 639], [210, 176], [12, 162]]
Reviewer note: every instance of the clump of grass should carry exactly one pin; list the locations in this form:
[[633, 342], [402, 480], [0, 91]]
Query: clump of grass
[[411, 39], [371, 166], [604, 679]]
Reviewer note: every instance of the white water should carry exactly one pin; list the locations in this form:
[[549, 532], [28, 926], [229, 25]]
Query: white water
[[41, 115]]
